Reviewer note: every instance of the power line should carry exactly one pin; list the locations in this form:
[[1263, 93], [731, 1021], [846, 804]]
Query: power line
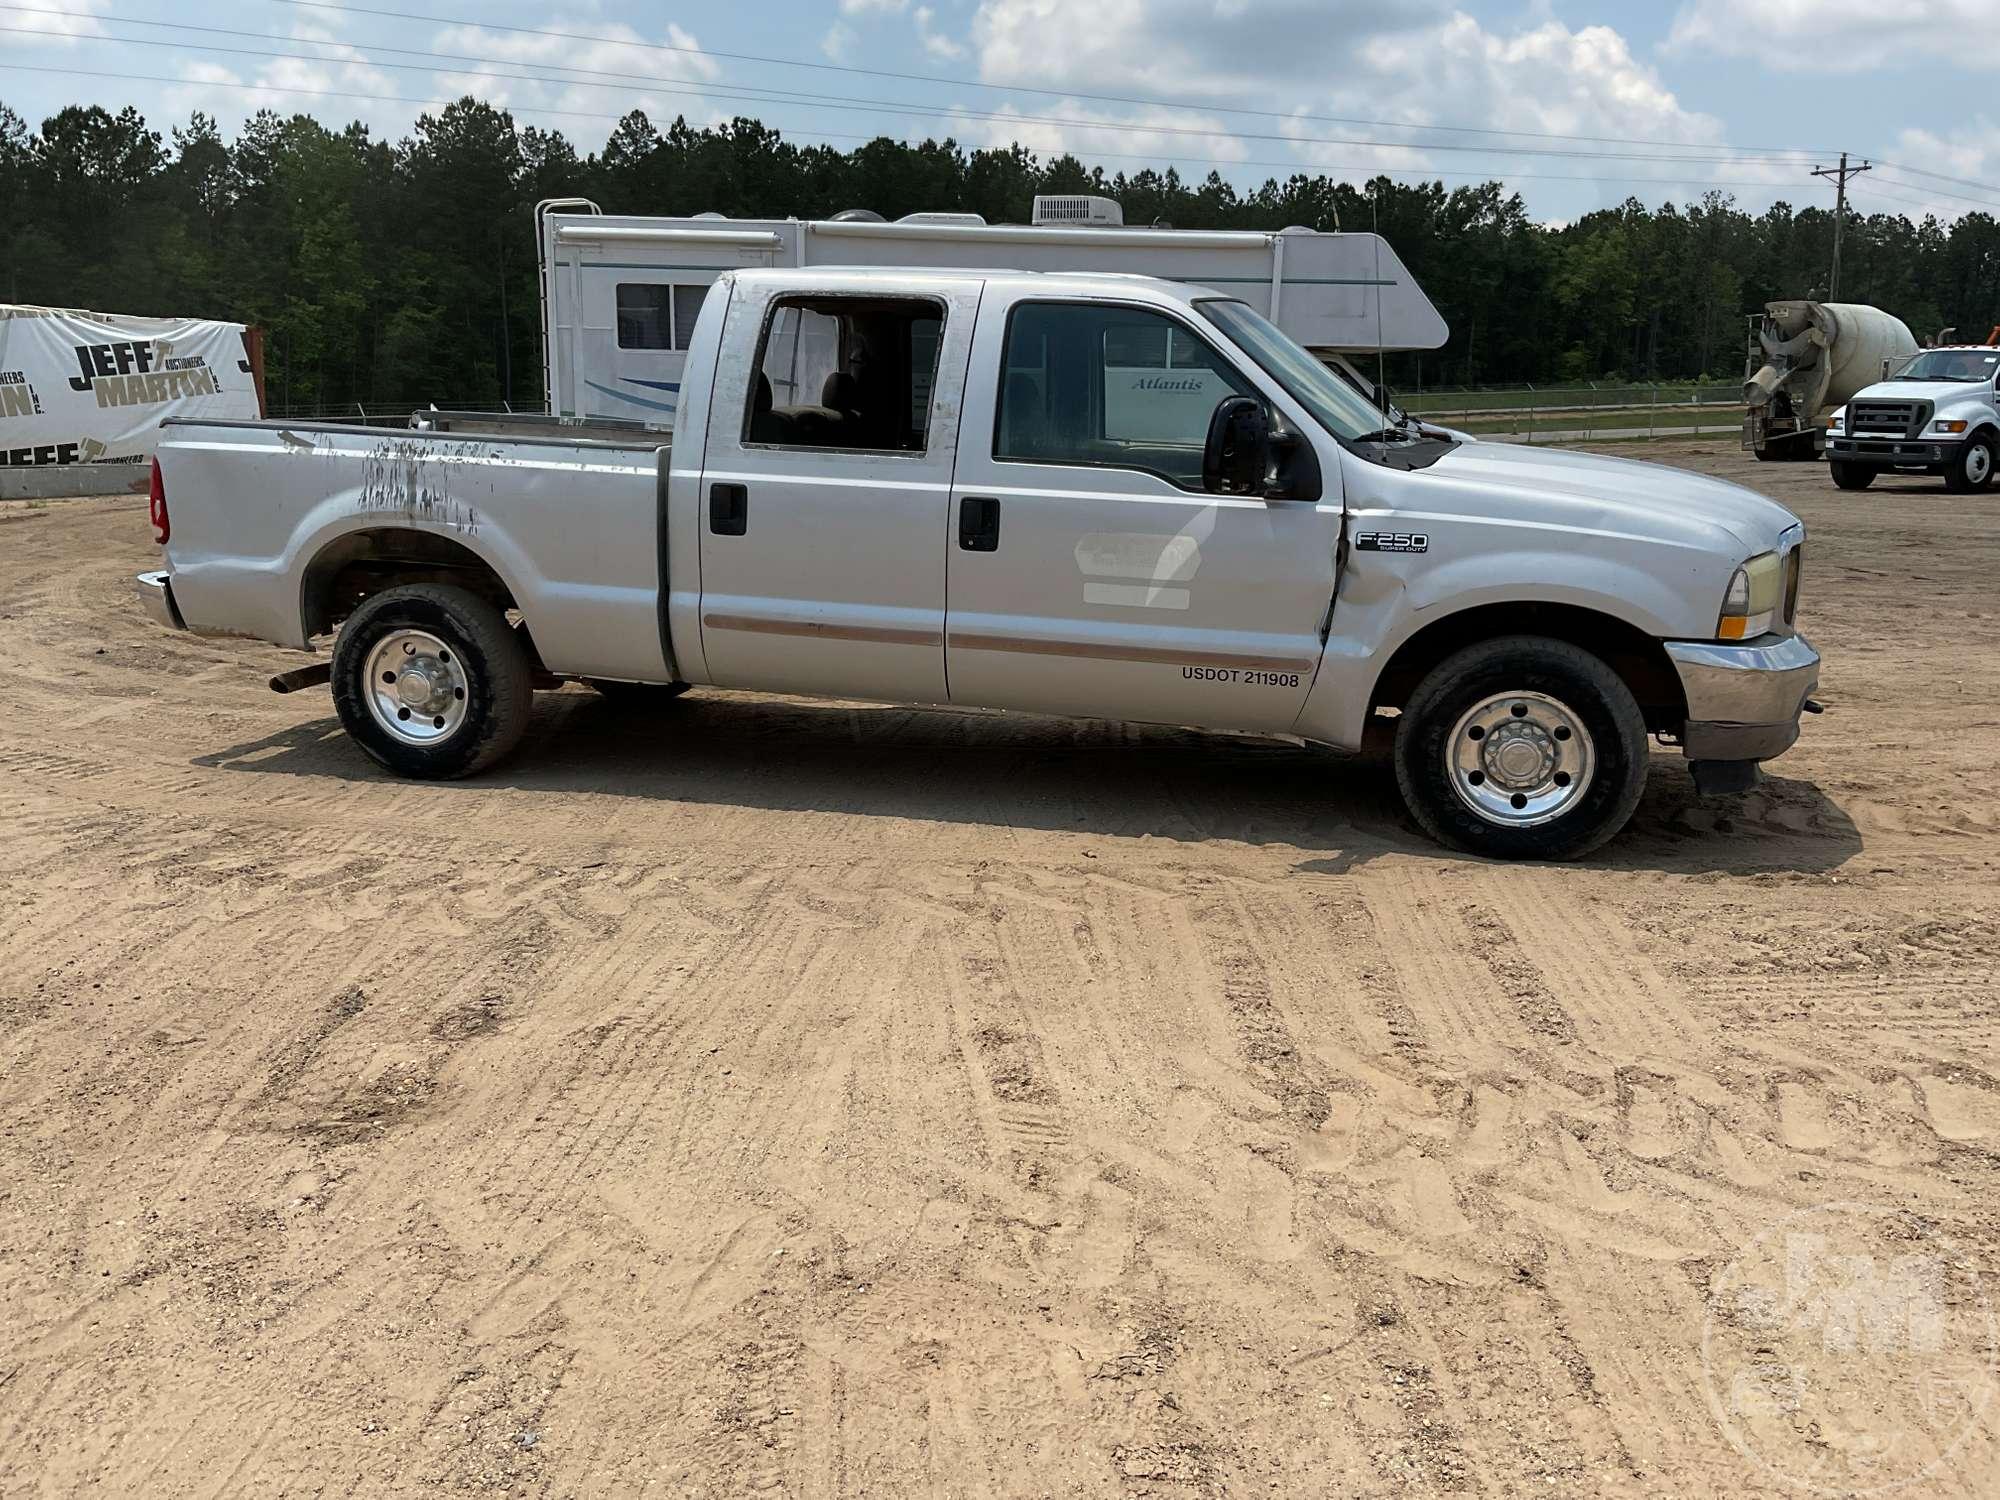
[[761, 94], [893, 107], [1016, 88], [1302, 168], [1937, 192], [1937, 176]]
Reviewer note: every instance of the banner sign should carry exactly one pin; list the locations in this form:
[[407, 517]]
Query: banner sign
[[84, 387]]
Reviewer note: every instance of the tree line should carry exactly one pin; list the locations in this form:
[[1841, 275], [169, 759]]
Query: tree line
[[388, 273]]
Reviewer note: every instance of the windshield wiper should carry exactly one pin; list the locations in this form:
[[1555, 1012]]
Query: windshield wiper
[[1386, 435]]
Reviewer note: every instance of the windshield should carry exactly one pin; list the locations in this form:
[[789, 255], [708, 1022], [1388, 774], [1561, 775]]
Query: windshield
[[1951, 364], [1341, 409]]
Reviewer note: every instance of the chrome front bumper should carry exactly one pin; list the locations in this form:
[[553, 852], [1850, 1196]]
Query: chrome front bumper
[[1744, 700], [156, 592]]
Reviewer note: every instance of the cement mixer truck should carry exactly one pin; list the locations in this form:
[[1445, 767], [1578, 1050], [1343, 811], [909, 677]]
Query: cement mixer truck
[[1807, 358]]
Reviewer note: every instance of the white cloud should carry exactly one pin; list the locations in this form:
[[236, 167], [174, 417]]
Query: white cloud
[[579, 107], [935, 42], [323, 85], [873, 7], [1969, 152], [1840, 36], [1069, 125], [33, 28], [838, 43], [1408, 66], [617, 49]]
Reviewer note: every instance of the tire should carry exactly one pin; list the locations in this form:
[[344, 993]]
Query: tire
[[636, 694], [1574, 715], [1971, 468], [1850, 476], [480, 681]]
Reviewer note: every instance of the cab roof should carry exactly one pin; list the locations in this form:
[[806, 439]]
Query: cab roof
[[889, 278]]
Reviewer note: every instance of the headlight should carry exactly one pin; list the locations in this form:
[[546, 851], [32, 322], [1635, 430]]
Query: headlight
[[1750, 605], [1941, 425], [1835, 422]]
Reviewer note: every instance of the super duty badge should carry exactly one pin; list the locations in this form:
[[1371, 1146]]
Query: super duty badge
[[1392, 541]]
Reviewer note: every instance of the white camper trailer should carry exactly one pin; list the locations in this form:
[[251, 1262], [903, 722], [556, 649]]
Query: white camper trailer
[[620, 293]]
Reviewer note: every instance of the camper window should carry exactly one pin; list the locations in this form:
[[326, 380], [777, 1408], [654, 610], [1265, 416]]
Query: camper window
[[1116, 387], [845, 373], [654, 315]]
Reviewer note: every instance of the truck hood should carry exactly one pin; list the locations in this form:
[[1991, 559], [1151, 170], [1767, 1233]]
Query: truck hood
[[1940, 392], [1564, 488]]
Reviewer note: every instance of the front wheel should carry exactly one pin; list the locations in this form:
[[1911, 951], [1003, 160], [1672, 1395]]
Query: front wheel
[[1971, 469], [1521, 748], [430, 680], [1850, 476]]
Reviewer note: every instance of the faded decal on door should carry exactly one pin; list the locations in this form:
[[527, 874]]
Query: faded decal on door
[[1158, 561]]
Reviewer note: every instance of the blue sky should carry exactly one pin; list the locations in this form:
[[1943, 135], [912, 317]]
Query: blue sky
[[1590, 102]]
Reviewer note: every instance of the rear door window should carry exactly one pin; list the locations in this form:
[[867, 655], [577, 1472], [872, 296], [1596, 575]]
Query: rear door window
[[838, 372]]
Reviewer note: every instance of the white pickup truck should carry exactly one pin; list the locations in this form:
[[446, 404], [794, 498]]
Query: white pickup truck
[[1939, 414], [940, 487]]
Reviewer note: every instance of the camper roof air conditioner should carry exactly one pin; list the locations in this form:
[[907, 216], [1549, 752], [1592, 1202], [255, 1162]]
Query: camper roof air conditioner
[[1077, 208]]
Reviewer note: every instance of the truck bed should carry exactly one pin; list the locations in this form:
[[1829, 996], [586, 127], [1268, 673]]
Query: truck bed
[[571, 523]]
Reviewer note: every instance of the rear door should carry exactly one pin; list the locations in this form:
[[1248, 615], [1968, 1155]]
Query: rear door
[[1090, 572], [825, 490]]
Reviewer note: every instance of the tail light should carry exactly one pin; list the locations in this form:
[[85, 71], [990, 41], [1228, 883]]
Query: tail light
[[157, 506]]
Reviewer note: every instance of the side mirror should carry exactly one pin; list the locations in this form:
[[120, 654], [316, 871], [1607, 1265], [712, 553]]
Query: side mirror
[[1237, 457]]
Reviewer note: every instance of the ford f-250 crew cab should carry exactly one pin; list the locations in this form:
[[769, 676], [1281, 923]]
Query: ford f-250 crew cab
[[937, 487], [1939, 414]]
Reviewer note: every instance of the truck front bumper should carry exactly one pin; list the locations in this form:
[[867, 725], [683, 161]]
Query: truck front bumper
[[156, 592], [1891, 453], [1743, 701]]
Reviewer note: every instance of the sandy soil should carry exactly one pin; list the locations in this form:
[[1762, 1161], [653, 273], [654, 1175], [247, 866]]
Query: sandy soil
[[759, 1096]]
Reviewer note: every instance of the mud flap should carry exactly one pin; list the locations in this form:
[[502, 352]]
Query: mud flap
[[1723, 778]]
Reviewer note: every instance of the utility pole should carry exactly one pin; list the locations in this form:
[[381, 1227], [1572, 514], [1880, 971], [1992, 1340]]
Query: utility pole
[[1839, 175]]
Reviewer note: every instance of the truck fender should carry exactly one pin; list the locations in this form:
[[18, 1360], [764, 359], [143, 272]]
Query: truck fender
[[1375, 619]]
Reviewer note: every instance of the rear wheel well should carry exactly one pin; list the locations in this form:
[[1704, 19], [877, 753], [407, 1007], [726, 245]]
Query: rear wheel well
[[1638, 659], [363, 563]]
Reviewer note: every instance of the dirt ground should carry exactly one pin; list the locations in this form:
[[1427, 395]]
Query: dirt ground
[[765, 1097]]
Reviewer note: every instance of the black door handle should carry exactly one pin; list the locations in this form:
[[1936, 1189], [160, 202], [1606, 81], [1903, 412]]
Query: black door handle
[[728, 509], [979, 524]]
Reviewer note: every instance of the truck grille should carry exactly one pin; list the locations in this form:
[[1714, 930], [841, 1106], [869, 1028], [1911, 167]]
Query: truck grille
[[1901, 419], [1794, 561]]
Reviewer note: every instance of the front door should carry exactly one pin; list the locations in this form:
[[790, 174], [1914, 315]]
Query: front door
[[825, 492], [1091, 573]]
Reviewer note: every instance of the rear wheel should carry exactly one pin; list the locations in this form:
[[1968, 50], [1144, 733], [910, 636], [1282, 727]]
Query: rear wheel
[[430, 681], [1850, 476], [1522, 748], [1971, 469]]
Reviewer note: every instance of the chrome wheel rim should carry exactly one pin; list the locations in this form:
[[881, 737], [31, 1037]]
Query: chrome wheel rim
[[418, 690], [1520, 759], [1979, 463]]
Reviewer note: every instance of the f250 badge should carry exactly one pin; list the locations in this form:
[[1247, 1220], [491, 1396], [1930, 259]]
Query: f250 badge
[[1392, 541]]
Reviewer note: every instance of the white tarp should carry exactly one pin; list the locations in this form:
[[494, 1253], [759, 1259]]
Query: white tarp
[[84, 387]]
